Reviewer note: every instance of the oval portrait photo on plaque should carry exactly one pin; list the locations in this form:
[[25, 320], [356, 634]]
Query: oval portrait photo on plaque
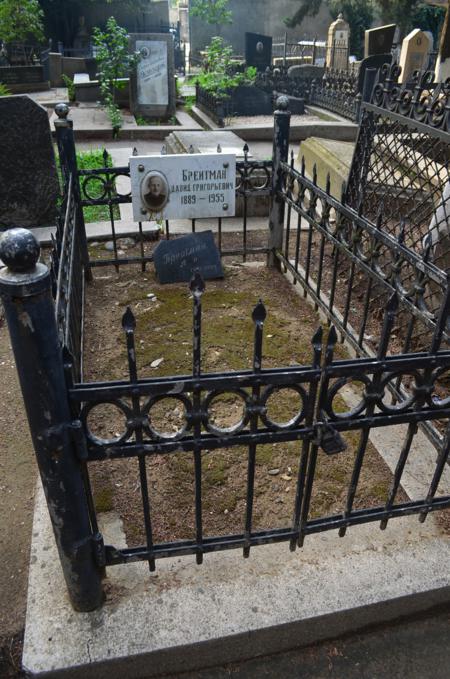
[[155, 191]]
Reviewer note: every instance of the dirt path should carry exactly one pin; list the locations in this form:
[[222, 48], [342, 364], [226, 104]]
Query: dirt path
[[17, 482]]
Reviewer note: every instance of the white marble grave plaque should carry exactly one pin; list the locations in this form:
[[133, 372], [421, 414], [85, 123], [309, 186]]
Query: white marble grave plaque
[[188, 186], [152, 76]]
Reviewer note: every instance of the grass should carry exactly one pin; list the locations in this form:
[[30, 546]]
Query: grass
[[189, 102], [142, 120], [91, 160], [164, 330]]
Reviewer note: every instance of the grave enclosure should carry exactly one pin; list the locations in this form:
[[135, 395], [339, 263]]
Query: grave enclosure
[[340, 252]]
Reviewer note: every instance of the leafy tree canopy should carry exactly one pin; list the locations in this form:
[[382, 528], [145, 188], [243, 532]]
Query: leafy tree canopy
[[62, 16], [407, 14], [21, 20], [214, 12]]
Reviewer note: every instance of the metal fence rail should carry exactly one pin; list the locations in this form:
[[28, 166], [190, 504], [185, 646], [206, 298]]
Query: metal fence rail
[[68, 276], [351, 254], [337, 92], [253, 180], [317, 426], [374, 284]]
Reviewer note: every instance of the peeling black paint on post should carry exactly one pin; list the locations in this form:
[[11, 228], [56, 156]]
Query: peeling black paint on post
[[282, 118], [258, 317], [197, 287], [68, 158], [25, 287]]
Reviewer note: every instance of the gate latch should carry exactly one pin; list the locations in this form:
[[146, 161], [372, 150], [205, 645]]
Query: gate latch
[[328, 438]]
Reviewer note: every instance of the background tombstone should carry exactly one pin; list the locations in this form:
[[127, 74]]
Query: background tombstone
[[258, 50], [29, 186], [305, 71], [415, 53], [338, 44], [375, 62], [177, 260], [379, 40], [153, 81]]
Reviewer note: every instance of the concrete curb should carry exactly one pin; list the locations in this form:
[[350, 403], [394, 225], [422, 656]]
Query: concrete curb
[[187, 617], [331, 127]]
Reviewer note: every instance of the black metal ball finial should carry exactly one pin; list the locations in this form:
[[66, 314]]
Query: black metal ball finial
[[19, 250], [62, 110], [282, 103]]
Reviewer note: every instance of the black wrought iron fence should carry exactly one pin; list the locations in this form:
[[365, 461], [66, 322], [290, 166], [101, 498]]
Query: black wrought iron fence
[[339, 248], [68, 278], [287, 51], [253, 181], [317, 425], [338, 92], [351, 254]]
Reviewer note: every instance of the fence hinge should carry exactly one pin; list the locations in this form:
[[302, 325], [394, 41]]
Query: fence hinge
[[79, 439], [328, 438], [95, 542], [99, 550]]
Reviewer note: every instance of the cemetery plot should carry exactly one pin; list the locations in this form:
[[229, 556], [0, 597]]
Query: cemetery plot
[[163, 347]]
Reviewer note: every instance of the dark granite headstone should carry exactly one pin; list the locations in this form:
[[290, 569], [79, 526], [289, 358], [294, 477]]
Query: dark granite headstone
[[248, 100], [177, 260], [21, 75], [379, 40], [28, 179], [375, 62], [258, 50]]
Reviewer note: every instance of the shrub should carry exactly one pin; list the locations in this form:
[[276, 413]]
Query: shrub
[[217, 76], [68, 82], [114, 62]]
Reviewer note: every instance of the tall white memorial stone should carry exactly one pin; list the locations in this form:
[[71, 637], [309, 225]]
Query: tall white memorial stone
[[415, 52], [152, 82]]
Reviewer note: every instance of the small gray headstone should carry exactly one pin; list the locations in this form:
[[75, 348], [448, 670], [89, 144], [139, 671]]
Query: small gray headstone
[[379, 40], [306, 71], [153, 80], [177, 260], [28, 178]]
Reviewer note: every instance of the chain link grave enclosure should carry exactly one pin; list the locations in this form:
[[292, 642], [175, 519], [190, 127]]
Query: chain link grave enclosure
[[338, 246]]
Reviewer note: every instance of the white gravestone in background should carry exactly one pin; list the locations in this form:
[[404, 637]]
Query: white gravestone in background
[[337, 44], [152, 81], [414, 55]]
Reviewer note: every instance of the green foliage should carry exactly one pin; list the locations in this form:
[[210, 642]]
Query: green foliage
[[189, 102], [91, 160], [4, 92], [307, 8], [142, 120], [217, 76], [405, 13], [359, 14], [114, 61], [21, 20], [215, 12], [68, 82], [429, 18]]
